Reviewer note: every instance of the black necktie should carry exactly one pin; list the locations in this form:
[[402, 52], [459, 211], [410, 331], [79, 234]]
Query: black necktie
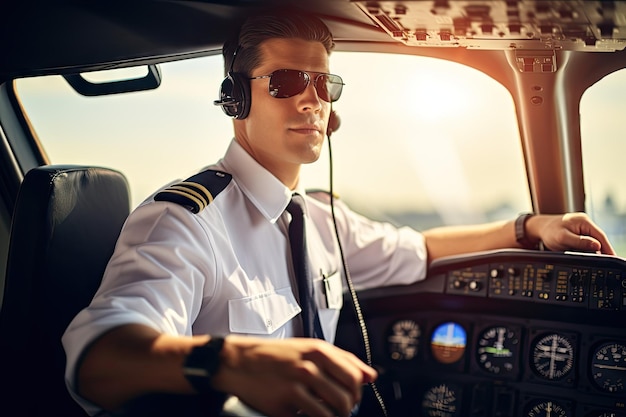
[[297, 240]]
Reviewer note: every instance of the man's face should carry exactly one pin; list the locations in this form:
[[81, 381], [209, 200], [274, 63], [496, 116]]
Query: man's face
[[283, 133]]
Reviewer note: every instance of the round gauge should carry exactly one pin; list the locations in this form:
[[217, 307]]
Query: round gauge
[[552, 356], [546, 409], [498, 350], [403, 340], [448, 342], [608, 367], [440, 401]]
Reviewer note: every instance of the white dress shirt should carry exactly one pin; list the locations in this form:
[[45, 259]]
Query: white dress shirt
[[227, 269]]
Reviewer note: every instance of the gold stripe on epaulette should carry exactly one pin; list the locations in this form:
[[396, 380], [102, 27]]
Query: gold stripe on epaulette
[[207, 194], [185, 192], [182, 187]]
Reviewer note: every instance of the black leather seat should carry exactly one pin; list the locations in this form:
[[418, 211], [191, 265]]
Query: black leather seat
[[65, 225]]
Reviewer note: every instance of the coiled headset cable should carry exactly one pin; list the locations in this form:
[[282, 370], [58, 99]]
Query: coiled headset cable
[[353, 295]]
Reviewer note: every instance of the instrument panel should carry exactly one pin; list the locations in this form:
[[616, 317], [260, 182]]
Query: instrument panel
[[509, 333]]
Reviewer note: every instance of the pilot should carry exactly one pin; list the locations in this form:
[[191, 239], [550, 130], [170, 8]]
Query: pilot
[[201, 294]]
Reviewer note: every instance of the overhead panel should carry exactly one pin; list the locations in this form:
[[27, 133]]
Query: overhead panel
[[555, 25]]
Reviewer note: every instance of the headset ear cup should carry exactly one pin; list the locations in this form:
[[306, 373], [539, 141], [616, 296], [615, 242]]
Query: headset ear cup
[[234, 96], [241, 91], [226, 99]]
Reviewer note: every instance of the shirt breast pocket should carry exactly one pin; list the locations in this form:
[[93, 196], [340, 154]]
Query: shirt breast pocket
[[262, 314]]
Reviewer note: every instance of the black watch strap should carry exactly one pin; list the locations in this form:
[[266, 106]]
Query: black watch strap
[[202, 363], [520, 232], [199, 367]]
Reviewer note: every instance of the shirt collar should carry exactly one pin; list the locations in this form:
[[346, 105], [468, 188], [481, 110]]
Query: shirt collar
[[265, 191]]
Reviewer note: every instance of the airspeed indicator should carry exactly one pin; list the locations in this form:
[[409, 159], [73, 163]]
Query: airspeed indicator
[[403, 340], [498, 350]]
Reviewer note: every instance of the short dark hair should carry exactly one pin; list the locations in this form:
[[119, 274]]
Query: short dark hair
[[271, 25]]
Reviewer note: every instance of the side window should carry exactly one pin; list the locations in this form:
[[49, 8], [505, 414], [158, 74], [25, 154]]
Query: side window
[[602, 110], [153, 137]]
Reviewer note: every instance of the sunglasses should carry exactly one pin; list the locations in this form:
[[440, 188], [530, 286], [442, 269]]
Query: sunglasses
[[285, 83]]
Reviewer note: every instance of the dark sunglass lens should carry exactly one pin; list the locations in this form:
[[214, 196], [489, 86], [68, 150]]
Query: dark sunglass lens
[[329, 87], [287, 83]]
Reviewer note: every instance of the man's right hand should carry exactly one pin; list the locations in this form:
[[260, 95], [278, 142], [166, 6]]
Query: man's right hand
[[292, 376]]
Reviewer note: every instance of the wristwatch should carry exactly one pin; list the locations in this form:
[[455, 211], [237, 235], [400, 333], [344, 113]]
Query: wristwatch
[[202, 363], [520, 232]]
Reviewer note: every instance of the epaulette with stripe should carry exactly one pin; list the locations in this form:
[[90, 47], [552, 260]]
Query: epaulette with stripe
[[197, 192]]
